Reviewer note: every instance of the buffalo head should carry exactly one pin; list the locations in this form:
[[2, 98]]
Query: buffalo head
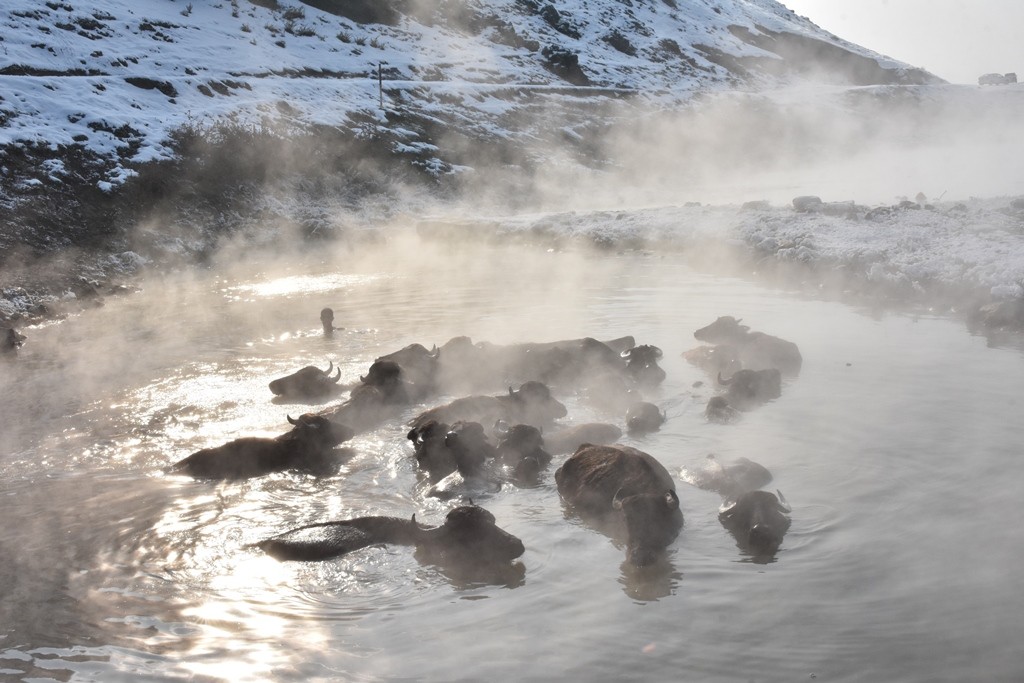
[[758, 520], [521, 447], [725, 330], [643, 417], [469, 535], [309, 382], [642, 364], [470, 446], [318, 431], [536, 403], [650, 524]]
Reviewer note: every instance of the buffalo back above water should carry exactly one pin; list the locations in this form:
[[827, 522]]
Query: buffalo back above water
[[469, 536], [531, 404], [755, 350], [627, 488]]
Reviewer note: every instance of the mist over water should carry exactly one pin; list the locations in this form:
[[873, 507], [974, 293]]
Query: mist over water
[[895, 446]]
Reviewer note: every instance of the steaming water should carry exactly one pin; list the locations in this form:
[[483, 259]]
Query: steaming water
[[897, 446]]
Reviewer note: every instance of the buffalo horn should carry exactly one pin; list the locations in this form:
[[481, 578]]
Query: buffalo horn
[[626, 353], [724, 382], [362, 379], [291, 420], [337, 376], [616, 501], [510, 392], [330, 367], [783, 503]]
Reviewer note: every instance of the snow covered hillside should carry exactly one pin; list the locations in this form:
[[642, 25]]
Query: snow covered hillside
[[115, 76]]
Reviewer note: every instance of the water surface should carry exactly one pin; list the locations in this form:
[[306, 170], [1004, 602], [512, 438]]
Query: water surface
[[897, 446]]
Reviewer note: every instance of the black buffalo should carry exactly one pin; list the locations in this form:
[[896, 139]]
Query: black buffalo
[[468, 537], [643, 417], [642, 365], [380, 394], [306, 447], [756, 350], [627, 491], [531, 404], [747, 389], [441, 449], [521, 451], [718, 410], [308, 383], [419, 367], [758, 520]]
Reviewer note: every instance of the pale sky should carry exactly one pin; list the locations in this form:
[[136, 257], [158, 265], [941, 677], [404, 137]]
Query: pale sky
[[957, 40]]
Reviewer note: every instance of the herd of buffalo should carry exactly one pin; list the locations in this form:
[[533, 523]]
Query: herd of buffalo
[[474, 445]]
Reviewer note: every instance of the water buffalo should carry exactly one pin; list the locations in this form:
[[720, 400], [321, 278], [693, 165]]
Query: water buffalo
[[714, 359], [433, 456], [643, 417], [642, 365], [569, 439], [308, 383], [468, 366], [747, 389], [627, 491], [521, 451], [758, 520], [306, 447], [381, 393], [731, 480], [757, 350], [10, 341], [468, 537], [718, 410], [531, 404], [418, 366]]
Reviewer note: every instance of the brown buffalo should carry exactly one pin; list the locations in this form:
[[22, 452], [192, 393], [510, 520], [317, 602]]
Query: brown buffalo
[[306, 447], [627, 491]]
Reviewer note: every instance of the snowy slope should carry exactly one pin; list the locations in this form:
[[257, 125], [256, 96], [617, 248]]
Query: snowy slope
[[116, 75]]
